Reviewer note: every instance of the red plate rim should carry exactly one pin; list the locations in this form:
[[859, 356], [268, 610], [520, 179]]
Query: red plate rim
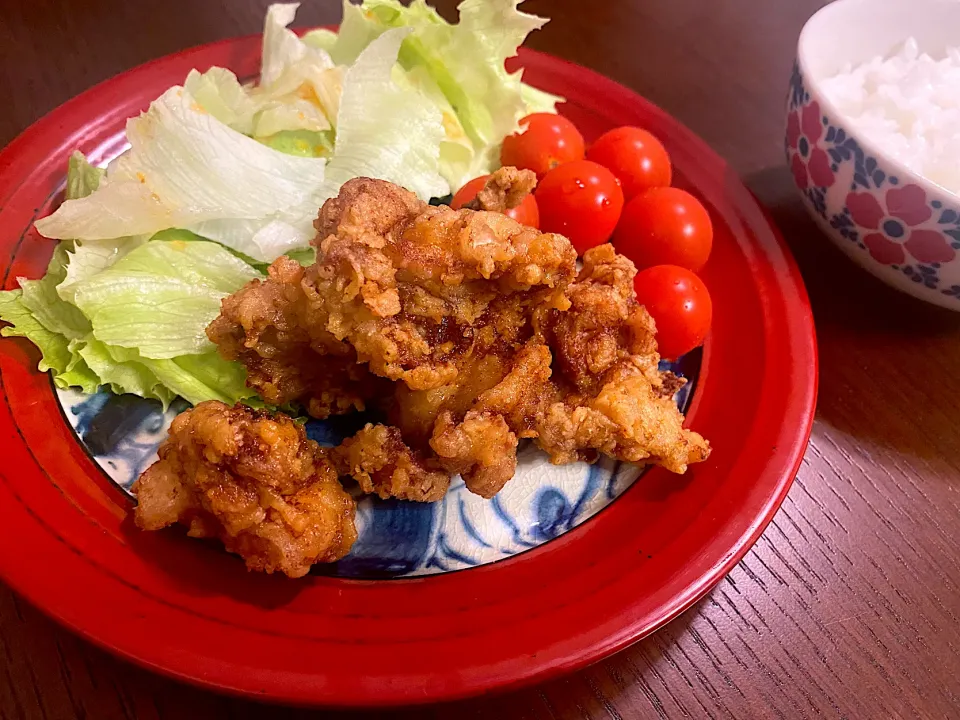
[[772, 415]]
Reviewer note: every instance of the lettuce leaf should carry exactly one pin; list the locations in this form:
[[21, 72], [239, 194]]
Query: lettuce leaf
[[82, 177], [43, 311], [220, 93], [36, 312], [56, 356], [282, 48], [384, 130], [301, 142], [463, 63], [187, 169], [199, 377], [161, 296], [299, 83], [41, 299], [222, 178], [127, 376], [320, 38], [291, 104], [195, 378]]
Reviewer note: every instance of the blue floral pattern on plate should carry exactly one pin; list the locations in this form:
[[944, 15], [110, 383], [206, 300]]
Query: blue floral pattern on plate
[[395, 538]]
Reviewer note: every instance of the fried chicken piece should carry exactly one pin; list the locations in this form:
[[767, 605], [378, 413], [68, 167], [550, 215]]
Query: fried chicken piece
[[480, 444], [628, 419], [609, 395], [268, 326], [486, 330], [253, 480], [408, 285], [378, 459], [504, 190], [481, 448], [441, 301], [604, 324]]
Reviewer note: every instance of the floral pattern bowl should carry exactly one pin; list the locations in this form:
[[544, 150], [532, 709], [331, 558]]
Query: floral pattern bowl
[[899, 226]]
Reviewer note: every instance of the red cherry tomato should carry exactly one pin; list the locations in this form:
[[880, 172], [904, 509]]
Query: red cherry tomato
[[680, 305], [581, 200], [545, 141], [526, 213], [636, 157], [665, 226]]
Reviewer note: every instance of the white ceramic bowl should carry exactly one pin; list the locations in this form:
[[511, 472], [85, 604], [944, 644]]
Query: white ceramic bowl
[[896, 224]]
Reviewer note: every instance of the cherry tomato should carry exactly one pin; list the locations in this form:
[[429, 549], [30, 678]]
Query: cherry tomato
[[581, 200], [680, 305], [526, 213], [665, 226], [636, 157], [545, 141]]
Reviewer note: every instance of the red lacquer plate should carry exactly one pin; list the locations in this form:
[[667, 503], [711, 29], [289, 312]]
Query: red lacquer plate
[[169, 604]]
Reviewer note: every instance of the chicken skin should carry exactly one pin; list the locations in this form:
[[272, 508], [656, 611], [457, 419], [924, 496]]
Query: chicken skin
[[610, 396], [269, 326], [409, 286], [253, 480], [469, 332]]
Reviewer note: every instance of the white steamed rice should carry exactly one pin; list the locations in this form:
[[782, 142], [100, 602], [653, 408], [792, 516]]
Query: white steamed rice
[[908, 105]]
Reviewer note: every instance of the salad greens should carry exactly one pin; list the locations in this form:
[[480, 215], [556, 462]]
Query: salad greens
[[73, 313], [460, 67], [221, 178], [158, 298]]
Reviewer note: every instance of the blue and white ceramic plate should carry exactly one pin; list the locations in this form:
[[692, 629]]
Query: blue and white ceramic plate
[[395, 538]]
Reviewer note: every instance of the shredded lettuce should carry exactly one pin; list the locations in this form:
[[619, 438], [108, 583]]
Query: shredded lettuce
[[221, 178]]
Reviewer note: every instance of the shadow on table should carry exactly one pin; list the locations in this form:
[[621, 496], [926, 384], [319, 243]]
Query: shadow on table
[[887, 360]]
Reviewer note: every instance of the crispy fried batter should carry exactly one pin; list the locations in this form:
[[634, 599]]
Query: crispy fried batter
[[610, 396], [377, 458], [504, 190], [268, 326], [604, 324], [409, 285], [442, 301], [487, 330], [253, 480]]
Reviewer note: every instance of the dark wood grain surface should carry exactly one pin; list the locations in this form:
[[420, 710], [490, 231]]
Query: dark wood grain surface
[[848, 606]]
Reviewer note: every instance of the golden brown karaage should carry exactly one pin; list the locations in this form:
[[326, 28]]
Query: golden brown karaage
[[379, 460], [611, 398], [255, 481], [408, 285], [504, 190], [486, 330], [269, 327]]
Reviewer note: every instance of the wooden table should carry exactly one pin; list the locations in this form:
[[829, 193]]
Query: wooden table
[[848, 606]]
